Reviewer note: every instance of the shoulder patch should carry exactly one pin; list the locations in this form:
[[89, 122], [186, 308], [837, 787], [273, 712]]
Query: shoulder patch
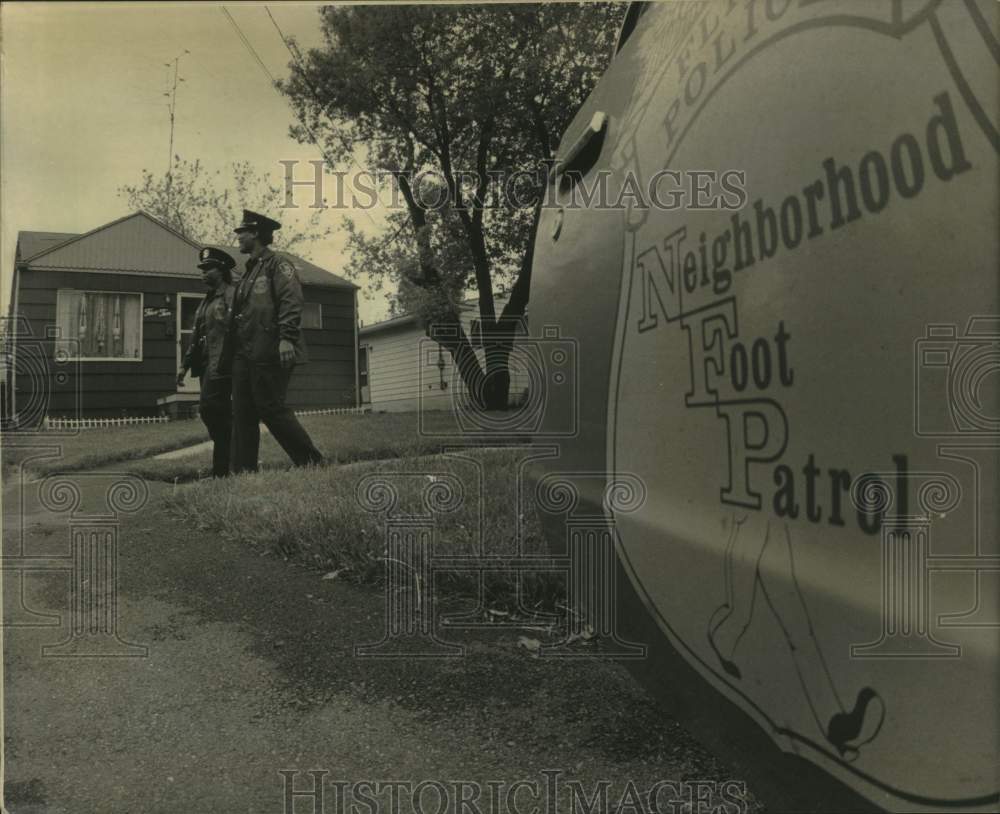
[[286, 268]]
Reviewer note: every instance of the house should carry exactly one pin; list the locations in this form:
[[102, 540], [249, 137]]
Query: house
[[108, 315], [401, 369]]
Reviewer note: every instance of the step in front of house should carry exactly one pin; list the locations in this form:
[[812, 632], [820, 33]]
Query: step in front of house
[[178, 405]]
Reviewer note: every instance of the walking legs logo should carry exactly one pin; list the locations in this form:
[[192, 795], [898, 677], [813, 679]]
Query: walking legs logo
[[769, 578]]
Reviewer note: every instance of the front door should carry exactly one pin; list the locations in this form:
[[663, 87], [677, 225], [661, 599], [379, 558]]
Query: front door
[[363, 375], [187, 305]]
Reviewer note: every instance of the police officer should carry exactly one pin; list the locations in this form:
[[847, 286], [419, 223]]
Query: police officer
[[211, 323], [266, 343]]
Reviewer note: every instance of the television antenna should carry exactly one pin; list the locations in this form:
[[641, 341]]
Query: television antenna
[[172, 106]]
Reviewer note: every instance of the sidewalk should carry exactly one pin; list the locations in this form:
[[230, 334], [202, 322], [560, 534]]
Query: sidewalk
[[185, 452]]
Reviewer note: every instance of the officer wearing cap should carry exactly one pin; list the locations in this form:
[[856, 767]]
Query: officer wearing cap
[[211, 323], [265, 343]]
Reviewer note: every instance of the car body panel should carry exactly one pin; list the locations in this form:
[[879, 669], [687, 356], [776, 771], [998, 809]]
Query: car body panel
[[812, 437]]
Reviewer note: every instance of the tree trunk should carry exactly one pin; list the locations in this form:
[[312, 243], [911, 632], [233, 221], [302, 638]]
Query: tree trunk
[[452, 337], [488, 385], [499, 333]]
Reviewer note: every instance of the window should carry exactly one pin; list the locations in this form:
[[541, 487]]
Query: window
[[363, 366], [312, 315], [101, 325]]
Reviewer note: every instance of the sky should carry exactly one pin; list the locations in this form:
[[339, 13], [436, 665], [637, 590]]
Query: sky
[[83, 111]]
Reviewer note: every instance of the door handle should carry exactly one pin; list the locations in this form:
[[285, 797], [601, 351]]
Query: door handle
[[582, 155]]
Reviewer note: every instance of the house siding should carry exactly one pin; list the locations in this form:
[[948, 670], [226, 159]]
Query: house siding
[[400, 380], [396, 373], [103, 388], [328, 378], [109, 388]]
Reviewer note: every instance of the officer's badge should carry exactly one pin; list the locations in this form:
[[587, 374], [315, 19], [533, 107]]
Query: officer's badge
[[260, 286]]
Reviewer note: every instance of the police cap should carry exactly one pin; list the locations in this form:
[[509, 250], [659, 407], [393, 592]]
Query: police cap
[[254, 221], [215, 258]]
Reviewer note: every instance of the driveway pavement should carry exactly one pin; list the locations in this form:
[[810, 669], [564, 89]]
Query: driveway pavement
[[231, 667]]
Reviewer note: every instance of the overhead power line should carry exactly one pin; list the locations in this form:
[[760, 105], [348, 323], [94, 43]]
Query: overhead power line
[[291, 46], [293, 49], [299, 62], [247, 44], [297, 57]]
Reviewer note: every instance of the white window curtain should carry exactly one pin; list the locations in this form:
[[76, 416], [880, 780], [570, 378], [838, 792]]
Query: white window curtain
[[99, 325]]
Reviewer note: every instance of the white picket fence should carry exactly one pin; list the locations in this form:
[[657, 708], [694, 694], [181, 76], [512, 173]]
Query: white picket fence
[[96, 423], [336, 411]]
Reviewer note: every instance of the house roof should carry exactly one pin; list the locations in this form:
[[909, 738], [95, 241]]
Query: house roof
[[32, 243], [309, 273], [137, 244], [470, 306], [388, 324]]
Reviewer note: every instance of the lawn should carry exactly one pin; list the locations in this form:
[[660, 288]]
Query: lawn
[[92, 448], [314, 515], [333, 519], [340, 438]]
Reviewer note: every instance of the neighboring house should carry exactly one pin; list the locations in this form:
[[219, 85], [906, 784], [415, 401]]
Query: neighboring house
[[111, 313], [401, 369]]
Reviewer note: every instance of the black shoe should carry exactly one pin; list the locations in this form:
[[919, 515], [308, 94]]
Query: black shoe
[[730, 667], [849, 731]]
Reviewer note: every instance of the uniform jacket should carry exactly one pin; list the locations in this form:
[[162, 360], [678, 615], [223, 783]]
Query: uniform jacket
[[211, 323], [267, 307]]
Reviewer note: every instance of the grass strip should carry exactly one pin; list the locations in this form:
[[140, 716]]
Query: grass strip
[[334, 519], [93, 448], [341, 439]]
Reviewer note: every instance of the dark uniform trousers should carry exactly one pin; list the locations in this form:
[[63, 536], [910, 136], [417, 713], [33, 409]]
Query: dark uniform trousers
[[259, 392], [217, 415]]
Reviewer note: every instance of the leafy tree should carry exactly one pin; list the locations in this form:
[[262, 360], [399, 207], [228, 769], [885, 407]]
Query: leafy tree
[[443, 101], [205, 206]]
